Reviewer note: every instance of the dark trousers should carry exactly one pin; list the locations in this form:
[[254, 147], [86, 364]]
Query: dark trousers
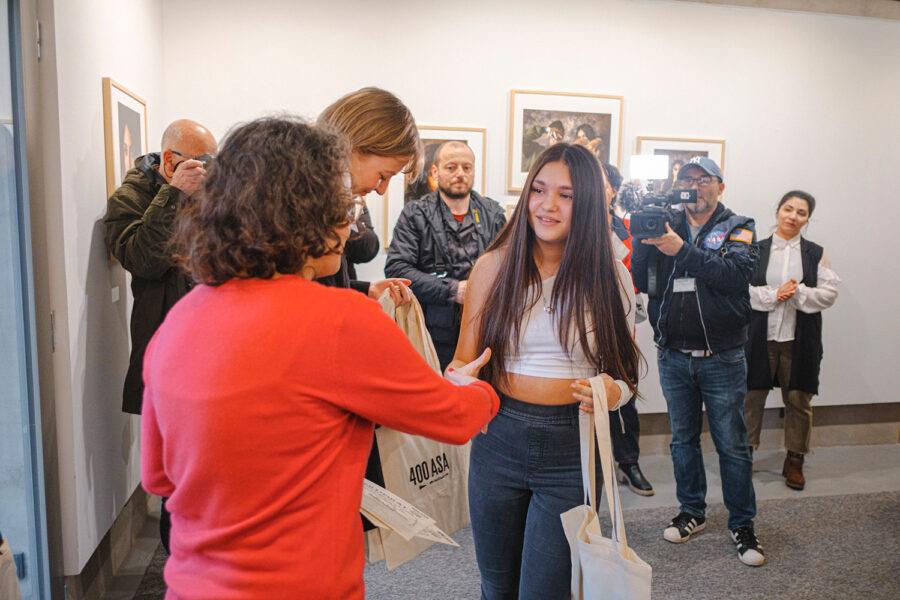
[[798, 412], [445, 352], [165, 525], [626, 448]]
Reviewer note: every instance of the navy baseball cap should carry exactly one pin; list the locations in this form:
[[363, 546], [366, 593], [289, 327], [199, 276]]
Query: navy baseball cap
[[707, 164]]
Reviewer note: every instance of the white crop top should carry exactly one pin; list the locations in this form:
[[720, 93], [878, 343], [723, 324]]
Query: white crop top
[[541, 353]]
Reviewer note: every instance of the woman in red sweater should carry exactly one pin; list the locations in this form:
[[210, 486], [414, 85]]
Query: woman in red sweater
[[256, 423]]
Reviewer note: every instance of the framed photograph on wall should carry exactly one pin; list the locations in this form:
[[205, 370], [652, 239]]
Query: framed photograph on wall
[[680, 151], [538, 120], [125, 131], [432, 137]]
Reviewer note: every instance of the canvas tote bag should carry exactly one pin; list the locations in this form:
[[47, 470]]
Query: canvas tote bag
[[9, 581], [430, 475], [602, 568]]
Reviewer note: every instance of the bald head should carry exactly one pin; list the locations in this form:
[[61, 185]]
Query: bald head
[[183, 140], [453, 149], [188, 138]]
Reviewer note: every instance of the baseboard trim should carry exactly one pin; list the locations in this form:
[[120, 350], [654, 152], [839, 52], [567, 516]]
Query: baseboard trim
[[94, 580], [851, 425]]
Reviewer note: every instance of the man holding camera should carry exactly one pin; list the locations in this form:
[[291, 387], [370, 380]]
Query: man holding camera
[[139, 219], [697, 276], [437, 240]]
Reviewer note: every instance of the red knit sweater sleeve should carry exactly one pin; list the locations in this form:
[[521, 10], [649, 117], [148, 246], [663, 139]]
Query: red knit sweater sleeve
[[381, 377]]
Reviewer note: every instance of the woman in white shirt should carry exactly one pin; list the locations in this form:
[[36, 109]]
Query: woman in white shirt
[[554, 305], [792, 285]]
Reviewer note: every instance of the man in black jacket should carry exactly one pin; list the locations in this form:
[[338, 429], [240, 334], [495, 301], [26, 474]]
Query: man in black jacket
[[697, 276], [439, 237], [139, 219]]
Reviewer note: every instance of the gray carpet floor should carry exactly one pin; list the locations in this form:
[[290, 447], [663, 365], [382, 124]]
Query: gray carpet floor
[[823, 548]]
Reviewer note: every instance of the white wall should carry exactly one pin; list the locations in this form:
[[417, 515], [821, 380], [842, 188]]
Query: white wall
[[98, 444], [806, 101]]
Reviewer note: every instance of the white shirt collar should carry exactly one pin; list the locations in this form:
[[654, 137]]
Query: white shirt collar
[[781, 243]]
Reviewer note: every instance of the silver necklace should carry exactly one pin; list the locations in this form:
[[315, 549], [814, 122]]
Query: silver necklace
[[547, 307]]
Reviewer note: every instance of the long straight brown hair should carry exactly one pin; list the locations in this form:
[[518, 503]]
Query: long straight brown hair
[[587, 290]]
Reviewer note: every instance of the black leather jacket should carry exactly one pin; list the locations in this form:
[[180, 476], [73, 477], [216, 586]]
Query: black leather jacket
[[421, 252]]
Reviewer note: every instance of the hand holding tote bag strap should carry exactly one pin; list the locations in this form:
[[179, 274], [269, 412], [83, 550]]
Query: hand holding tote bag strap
[[602, 568]]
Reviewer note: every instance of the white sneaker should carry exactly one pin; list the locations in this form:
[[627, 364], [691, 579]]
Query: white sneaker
[[749, 550], [683, 527]]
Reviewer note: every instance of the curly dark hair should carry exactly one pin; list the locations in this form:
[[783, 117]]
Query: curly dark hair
[[272, 199]]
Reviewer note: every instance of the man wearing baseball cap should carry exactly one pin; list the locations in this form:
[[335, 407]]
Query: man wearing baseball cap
[[697, 276]]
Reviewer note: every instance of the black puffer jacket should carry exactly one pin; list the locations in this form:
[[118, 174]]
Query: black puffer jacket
[[721, 260]]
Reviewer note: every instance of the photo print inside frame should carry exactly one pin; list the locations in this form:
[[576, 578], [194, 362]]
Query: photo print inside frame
[[543, 128], [125, 131], [130, 137], [538, 120]]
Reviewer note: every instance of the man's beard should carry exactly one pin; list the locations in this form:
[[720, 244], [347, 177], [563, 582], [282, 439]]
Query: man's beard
[[449, 193], [698, 208]]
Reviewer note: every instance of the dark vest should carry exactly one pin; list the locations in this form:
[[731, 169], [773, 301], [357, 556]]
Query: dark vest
[[807, 349]]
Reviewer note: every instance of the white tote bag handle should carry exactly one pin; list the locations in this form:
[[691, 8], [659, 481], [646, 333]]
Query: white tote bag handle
[[600, 426]]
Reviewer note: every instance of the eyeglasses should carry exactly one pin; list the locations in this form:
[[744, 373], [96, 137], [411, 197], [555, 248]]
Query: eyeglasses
[[686, 182], [204, 158]]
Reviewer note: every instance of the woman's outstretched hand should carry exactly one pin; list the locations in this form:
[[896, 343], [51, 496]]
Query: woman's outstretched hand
[[581, 391], [468, 373]]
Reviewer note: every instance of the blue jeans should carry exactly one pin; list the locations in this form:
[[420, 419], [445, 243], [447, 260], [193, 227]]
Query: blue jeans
[[720, 383], [524, 473]]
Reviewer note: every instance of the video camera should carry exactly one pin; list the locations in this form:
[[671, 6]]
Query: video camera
[[651, 211]]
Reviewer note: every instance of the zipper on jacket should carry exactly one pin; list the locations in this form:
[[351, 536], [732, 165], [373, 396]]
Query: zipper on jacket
[[697, 292], [700, 310], [696, 243]]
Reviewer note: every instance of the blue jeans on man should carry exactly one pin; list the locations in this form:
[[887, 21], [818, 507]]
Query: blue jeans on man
[[718, 382]]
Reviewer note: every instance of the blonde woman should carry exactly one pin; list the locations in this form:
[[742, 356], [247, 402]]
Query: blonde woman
[[384, 141]]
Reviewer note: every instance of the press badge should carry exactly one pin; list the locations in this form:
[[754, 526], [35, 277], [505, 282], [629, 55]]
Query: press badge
[[685, 284]]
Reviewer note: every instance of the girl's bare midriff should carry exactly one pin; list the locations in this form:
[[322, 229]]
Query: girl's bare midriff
[[538, 390]]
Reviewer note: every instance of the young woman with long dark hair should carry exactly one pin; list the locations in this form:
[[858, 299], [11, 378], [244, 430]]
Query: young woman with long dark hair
[[555, 307]]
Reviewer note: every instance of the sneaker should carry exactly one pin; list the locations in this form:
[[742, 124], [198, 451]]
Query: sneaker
[[637, 483], [749, 550], [683, 527]]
